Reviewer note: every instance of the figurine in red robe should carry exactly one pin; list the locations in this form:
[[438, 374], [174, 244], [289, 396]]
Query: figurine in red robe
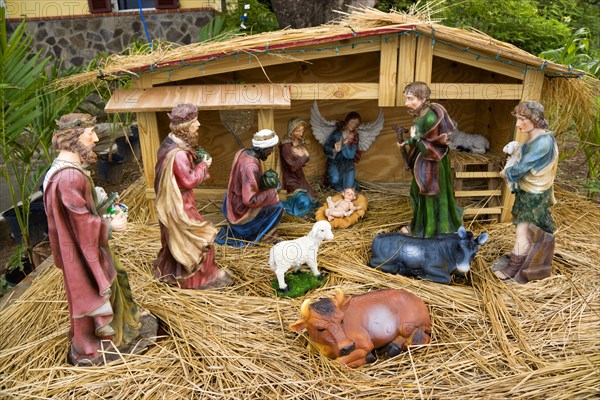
[[251, 205], [187, 256], [101, 308]]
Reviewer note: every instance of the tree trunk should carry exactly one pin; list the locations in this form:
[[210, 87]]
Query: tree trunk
[[302, 14]]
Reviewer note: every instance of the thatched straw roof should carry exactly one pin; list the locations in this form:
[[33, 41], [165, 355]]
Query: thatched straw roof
[[360, 23], [491, 340]]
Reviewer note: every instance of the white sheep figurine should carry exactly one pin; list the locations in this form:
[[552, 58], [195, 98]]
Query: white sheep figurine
[[469, 142], [513, 149], [295, 253]]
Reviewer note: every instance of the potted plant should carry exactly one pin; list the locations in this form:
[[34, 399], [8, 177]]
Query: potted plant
[[115, 130], [29, 105], [21, 72]]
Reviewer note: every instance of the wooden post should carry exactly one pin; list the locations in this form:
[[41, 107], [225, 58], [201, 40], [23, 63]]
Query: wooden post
[[406, 65], [388, 68], [149, 143], [532, 90], [266, 120], [424, 62]]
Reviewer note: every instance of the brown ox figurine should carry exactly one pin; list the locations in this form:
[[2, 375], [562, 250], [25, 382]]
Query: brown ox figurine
[[350, 328]]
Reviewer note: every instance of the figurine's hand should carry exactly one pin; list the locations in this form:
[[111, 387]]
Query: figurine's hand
[[337, 147], [358, 208], [207, 160], [400, 131], [412, 140], [119, 222]]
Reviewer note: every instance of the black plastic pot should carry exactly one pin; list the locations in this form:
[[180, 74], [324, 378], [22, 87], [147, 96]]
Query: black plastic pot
[[129, 147], [38, 223], [110, 171], [14, 276]]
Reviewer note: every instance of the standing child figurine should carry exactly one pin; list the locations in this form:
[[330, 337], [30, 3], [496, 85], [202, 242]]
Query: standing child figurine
[[344, 207], [531, 256]]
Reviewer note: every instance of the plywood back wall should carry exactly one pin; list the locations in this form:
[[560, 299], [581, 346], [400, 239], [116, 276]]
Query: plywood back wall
[[381, 163]]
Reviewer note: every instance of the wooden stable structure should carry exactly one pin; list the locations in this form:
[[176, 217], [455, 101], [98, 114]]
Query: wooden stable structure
[[347, 68]]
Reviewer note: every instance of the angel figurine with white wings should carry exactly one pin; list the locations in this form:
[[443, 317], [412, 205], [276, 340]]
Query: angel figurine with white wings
[[343, 144]]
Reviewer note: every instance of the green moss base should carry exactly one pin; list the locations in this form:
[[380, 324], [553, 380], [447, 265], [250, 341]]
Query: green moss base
[[298, 284]]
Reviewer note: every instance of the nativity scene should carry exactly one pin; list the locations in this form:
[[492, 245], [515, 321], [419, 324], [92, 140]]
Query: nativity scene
[[418, 248]]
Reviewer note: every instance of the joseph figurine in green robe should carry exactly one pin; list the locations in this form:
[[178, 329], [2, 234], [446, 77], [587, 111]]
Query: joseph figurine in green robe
[[431, 192]]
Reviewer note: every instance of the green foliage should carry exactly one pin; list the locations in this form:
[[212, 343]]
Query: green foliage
[[398, 5], [298, 284], [577, 52], [532, 25], [4, 287], [515, 21], [260, 18], [29, 106], [576, 14], [21, 74], [215, 30]]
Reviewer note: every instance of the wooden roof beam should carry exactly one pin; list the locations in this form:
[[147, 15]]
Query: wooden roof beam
[[242, 62], [206, 97], [444, 51]]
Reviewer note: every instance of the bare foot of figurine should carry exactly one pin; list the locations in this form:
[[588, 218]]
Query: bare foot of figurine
[[405, 230], [501, 275], [108, 352], [507, 267]]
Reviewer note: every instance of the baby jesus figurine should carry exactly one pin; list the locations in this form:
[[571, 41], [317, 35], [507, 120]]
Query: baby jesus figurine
[[343, 207]]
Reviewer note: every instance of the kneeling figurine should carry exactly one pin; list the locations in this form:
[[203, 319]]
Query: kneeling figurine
[[349, 328]]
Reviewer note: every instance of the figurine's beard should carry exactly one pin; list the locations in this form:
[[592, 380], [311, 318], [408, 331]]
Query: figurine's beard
[[191, 138], [416, 112], [262, 155], [86, 153]]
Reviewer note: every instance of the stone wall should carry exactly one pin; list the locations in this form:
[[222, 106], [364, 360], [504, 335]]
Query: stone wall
[[78, 40]]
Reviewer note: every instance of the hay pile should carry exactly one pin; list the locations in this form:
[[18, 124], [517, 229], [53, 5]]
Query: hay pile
[[490, 339]]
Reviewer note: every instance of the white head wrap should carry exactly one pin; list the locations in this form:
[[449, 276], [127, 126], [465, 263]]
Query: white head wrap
[[264, 139]]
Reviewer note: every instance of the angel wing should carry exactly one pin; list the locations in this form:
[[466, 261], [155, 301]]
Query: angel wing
[[321, 127], [369, 131]]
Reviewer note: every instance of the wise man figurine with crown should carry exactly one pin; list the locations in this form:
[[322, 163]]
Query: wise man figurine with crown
[[187, 256]]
